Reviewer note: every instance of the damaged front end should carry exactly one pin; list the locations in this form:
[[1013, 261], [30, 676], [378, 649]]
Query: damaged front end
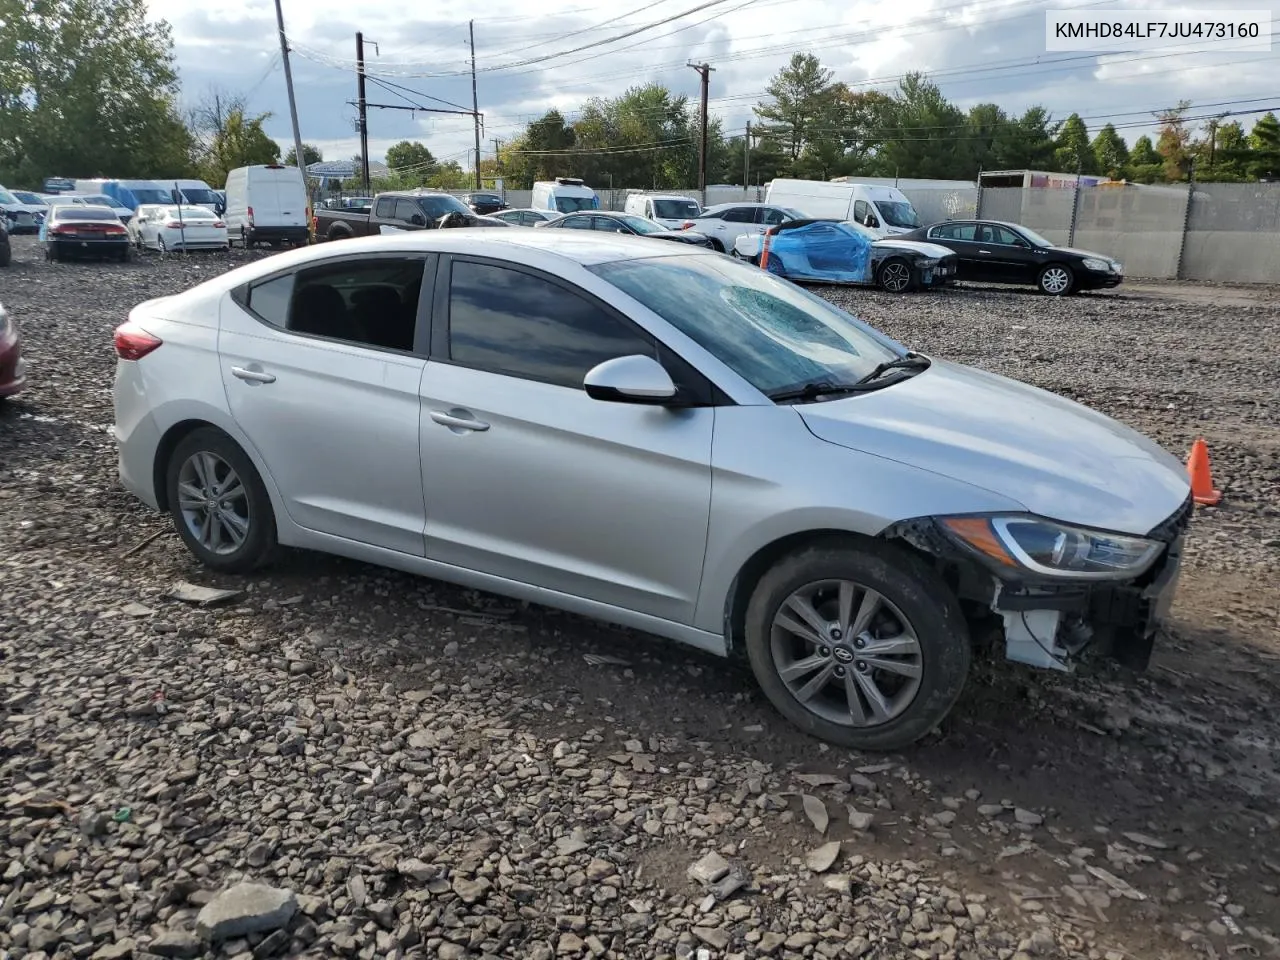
[[1054, 590]]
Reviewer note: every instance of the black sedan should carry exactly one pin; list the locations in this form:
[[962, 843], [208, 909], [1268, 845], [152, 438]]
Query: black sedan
[[608, 222], [75, 230], [991, 251], [484, 203]]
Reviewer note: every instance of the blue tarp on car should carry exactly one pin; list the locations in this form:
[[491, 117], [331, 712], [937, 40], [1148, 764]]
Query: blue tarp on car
[[823, 250]]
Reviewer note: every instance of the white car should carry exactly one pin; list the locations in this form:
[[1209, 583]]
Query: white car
[[163, 228], [659, 436]]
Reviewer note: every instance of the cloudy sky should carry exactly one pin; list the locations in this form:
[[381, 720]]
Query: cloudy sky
[[979, 50]]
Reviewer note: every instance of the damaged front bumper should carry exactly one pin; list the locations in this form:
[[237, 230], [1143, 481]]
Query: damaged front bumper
[[1046, 622]]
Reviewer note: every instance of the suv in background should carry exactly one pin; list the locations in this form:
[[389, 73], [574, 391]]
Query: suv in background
[[484, 203]]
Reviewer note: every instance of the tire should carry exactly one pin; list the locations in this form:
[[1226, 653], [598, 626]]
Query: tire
[[716, 245], [6, 254], [776, 266], [1056, 280], [896, 276], [211, 542], [161, 247], [907, 592], [51, 254]]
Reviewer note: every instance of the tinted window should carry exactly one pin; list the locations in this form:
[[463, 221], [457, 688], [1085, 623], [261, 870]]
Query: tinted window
[[569, 204], [740, 215], [575, 223], [385, 210], [860, 211], [674, 209], [406, 210], [718, 215], [773, 216], [437, 206], [1001, 235], [84, 213], [520, 325], [954, 231], [608, 225], [270, 300]]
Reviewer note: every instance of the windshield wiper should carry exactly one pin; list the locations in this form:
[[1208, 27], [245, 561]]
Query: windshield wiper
[[910, 361], [811, 391]]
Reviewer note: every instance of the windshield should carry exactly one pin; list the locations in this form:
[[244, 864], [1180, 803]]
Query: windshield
[[198, 195], [151, 195], [642, 226], [898, 213], [1035, 238], [437, 206], [28, 198], [571, 204], [771, 333], [675, 209], [6, 196]]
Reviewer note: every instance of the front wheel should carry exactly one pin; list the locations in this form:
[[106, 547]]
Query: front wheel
[[859, 644], [1056, 280], [218, 503], [776, 266], [895, 276]]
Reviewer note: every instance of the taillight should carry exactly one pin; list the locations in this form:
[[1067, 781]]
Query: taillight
[[219, 224], [686, 225], [56, 231], [174, 225], [134, 343], [249, 214], [116, 231]]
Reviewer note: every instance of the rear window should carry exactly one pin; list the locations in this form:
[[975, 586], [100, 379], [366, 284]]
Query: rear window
[[69, 212]]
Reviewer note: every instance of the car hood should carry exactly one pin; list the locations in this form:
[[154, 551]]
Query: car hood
[[1057, 458], [919, 246], [1075, 251]]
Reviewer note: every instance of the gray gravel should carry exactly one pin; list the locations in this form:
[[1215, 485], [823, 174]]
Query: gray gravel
[[338, 760]]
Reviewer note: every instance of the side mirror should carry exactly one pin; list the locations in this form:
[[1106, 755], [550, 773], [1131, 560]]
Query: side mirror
[[872, 222], [633, 379], [418, 220]]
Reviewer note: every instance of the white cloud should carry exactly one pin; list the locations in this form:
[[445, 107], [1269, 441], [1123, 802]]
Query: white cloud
[[982, 50]]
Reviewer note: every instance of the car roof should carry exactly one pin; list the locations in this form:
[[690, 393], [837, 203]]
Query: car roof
[[743, 203]]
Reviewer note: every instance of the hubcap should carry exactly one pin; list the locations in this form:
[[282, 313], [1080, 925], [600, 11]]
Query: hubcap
[[896, 277], [875, 639], [1055, 280], [214, 502]]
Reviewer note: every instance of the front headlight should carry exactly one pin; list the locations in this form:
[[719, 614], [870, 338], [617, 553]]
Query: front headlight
[[1055, 549], [1098, 266], [928, 264]]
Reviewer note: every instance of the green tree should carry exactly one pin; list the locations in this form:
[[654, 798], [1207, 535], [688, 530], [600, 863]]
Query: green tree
[[800, 98], [1028, 142], [1145, 164], [410, 163], [310, 154], [226, 137], [1264, 140], [1073, 150], [1110, 151], [547, 140], [983, 129], [450, 176], [87, 88], [926, 133]]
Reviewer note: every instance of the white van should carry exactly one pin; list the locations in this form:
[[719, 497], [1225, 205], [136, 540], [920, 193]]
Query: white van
[[669, 209], [564, 195], [200, 194], [267, 203], [885, 211]]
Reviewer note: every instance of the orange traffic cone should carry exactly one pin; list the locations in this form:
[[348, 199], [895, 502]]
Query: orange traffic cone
[[764, 252], [1202, 489]]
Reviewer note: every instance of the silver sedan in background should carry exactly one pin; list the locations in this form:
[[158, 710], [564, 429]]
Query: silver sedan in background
[[658, 436]]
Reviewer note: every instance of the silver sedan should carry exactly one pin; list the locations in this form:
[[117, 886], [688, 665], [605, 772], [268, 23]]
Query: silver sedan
[[657, 436]]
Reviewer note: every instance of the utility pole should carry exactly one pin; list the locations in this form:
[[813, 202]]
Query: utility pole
[[704, 71], [746, 158], [364, 117], [293, 105], [475, 100], [1213, 140]]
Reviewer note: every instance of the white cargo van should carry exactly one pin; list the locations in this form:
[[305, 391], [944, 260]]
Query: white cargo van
[[564, 195], [885, 211], [267, 203], [669, 209]]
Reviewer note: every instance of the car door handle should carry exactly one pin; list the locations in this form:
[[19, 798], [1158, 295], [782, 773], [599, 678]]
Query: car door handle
[[253, 376], [984, 251], [458, 421]]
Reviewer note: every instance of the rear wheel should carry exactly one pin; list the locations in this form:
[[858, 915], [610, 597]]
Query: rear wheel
[[218, 503], [716, 245], [859, 644], [160, 244], [895, 275]]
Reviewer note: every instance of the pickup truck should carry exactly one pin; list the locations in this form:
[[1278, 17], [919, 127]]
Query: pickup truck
[[391, 212]]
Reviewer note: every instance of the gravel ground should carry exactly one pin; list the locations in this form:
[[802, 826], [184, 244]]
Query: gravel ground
[[417, 770]]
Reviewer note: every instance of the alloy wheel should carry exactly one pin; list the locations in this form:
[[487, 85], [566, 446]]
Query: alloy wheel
[[214, 503], [846, 653], [895, 276], [1055, 280]]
